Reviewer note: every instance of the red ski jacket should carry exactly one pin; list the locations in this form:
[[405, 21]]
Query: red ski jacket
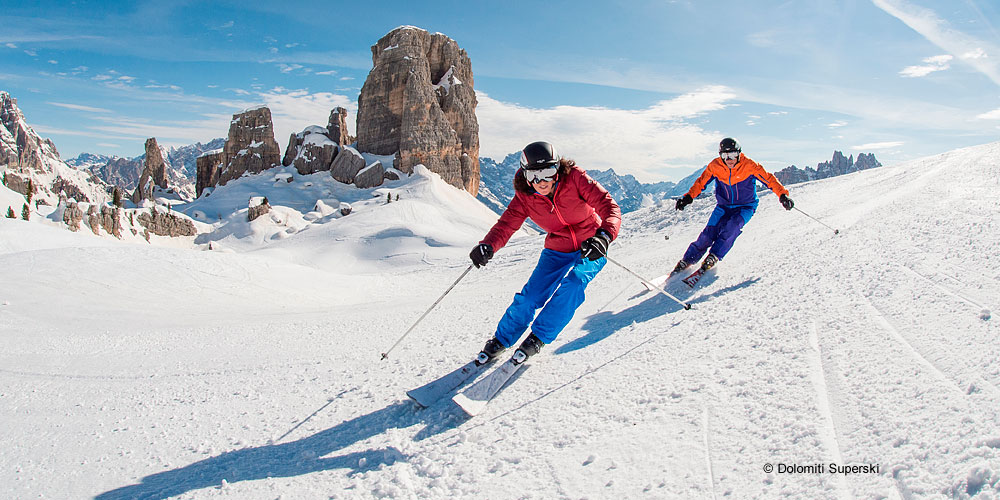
[[578, 208]]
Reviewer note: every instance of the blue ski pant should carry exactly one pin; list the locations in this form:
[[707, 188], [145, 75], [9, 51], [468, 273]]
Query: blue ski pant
[[724, 226], [557, 283]]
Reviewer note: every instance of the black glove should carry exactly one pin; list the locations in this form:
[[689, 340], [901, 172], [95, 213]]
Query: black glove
[[683, 202], [786, 202], [481, 254], [596, 246]]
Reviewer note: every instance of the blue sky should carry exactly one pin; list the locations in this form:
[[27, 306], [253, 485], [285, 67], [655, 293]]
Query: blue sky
[[645, 87]]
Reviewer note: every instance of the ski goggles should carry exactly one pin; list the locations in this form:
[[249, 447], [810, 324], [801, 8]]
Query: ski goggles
[[730, 155], [541, 174]]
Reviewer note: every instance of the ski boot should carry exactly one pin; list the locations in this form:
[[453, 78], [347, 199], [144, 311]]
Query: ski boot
[[527, 349], [492, 348], [681, 265], [709, 262]]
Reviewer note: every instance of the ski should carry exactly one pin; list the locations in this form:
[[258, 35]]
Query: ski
[[431, 392], [692, 280], [474, 399]]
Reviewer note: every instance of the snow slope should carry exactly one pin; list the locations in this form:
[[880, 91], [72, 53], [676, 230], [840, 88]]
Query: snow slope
[[135, 371]]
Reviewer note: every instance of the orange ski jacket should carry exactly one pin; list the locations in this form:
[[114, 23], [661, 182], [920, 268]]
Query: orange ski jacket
[[737, 185]]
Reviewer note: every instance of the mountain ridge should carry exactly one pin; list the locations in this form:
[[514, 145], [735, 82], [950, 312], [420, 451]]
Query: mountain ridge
[[496, 189]]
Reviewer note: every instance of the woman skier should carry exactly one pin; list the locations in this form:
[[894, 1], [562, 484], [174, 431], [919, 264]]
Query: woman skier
[[581, 220], [735, 177]]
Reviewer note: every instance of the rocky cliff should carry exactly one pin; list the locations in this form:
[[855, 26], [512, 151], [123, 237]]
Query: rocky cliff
[[337, 127], [418, 102], [311, 150], [208, 165], [154, 172], [24, 156], [250, 148], [166, 223]]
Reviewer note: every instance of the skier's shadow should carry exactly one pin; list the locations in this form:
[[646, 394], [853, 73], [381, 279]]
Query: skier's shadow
[[722, 291], [299, 457], [602, 325]]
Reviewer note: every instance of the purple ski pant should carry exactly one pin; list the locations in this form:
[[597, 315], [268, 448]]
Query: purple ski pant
[[725, 224]]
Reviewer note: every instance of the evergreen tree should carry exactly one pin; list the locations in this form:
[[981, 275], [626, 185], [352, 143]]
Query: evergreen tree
[[397, 196], [388, 197], [10, 213], [5, 178], [31, 187], [25, 212]]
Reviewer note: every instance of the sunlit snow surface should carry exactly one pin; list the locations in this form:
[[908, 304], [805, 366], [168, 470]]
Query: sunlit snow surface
[[252, 371]]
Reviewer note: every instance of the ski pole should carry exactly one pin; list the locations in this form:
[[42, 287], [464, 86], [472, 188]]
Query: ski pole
[[835, 231], [386, 353], [648, 284]]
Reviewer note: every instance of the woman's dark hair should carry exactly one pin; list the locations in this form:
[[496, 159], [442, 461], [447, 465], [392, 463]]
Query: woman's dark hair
[[521, 184]]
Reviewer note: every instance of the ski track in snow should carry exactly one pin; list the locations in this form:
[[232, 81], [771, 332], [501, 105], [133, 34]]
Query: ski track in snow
[[828, 428], [705, 422], [256, 375]]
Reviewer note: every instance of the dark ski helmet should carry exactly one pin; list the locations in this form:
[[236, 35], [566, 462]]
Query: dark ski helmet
[[729, 144], [538, 155]]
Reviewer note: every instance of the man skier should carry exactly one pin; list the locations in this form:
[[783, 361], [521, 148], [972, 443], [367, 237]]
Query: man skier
[[581, 220], [735, 177]]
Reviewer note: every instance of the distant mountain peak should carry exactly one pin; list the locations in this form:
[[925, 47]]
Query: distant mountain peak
[[496, 190], [25, 156]]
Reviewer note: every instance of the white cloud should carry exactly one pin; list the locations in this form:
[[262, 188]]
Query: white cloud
[[294, 110], [933, 63], [31, 53], [977, 53], [762, 39], [928, 24], [53, 61], [226, 26], [102, 78], [108, 145], [288, 68], [990, 115], [327, 73], [81, 69], [646, 143], [80, 107], [878, 145], [46, 131], [837, 124], [167, 133], [10, 46]]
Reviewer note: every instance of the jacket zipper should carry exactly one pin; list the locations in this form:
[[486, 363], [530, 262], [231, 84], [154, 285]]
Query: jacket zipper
[[729, 187], [555, 210]]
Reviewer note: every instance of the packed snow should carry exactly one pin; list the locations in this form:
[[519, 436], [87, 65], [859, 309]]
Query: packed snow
[[863, 364]]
